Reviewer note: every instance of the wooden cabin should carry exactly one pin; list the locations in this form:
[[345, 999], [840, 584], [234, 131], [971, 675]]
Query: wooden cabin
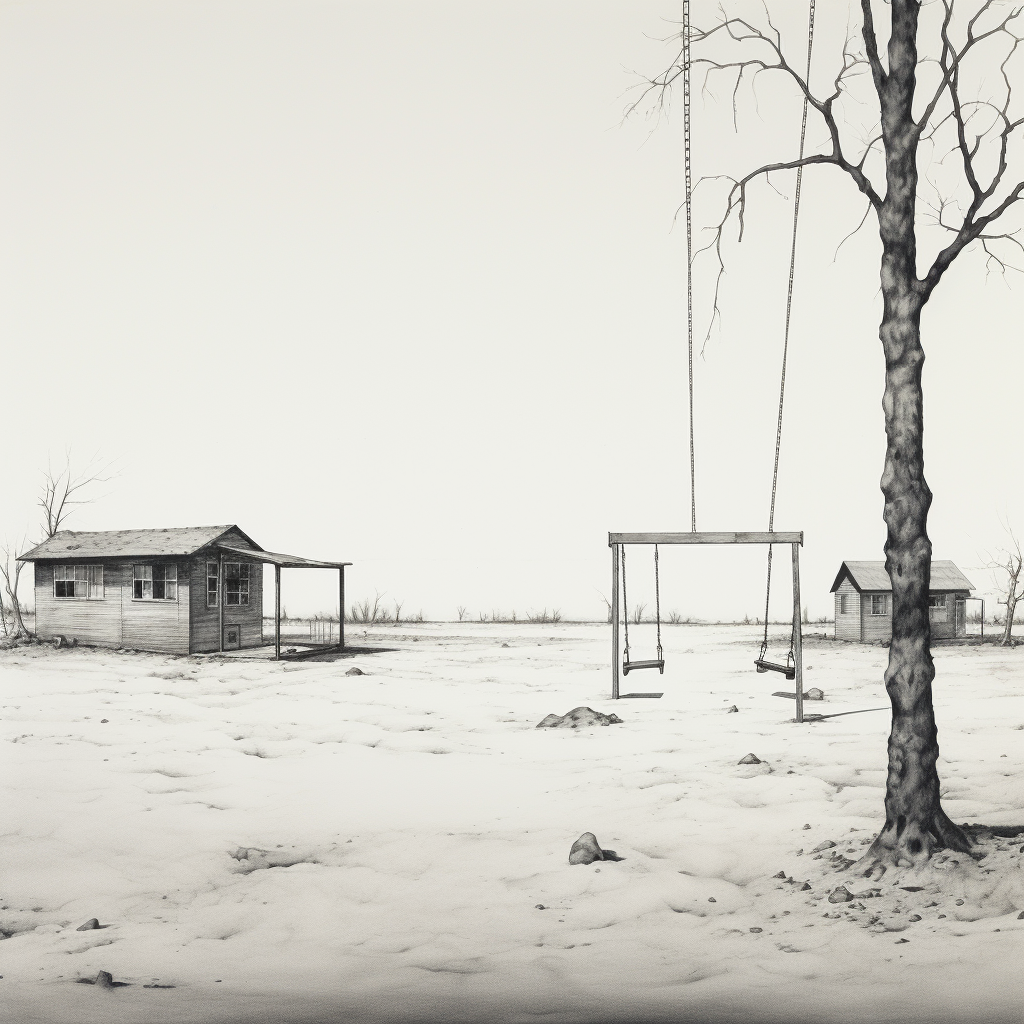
[[191, 590], [863, 595]]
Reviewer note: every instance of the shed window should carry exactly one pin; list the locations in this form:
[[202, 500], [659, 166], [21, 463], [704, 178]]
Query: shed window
[[155, 583], [844, 604], [879, 604], [84, 582], [937, 611], [236, 582], [212, 583]]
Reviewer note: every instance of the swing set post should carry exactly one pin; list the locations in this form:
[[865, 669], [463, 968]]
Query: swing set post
[[615, 621], [798, 637]]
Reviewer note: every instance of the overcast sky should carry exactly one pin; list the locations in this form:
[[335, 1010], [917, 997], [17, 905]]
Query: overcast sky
[[392, 283]]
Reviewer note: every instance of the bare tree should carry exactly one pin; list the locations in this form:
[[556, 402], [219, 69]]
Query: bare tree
[[1007, 563], [63, 490], [10, 569], [940, 99]]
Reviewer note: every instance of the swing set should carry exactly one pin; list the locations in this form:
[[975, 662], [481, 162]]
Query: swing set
[[792, 669]]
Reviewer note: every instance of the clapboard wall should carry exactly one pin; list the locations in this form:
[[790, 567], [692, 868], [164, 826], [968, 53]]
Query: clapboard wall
[[117, 619], [206, 620]]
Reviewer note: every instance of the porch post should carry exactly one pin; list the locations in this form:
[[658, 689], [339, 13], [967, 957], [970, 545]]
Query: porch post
[[277, 613], [341, 606], [798, 636], [220, 600], [615, 622]]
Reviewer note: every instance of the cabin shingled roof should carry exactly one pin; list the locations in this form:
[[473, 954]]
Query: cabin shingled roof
[[159, 543], [871, 576]]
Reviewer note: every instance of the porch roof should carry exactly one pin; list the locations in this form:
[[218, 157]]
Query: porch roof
[[276, 558]]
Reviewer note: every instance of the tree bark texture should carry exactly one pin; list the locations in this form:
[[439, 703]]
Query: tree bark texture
[[915, 824]]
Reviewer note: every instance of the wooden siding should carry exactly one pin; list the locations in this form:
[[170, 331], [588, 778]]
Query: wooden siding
[[87, 621], [951, 627], [848, 625], [875, 627], [156, 625], [206, 621], [117, 619]]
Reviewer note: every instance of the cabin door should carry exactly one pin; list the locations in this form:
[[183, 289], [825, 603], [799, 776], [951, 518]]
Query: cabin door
[[232, 638], [960, 618]]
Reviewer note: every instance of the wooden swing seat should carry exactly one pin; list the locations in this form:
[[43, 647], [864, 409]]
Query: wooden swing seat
[[632, 666], [789, 671]]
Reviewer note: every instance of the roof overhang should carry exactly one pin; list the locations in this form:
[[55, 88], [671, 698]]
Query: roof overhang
[[276, 558]]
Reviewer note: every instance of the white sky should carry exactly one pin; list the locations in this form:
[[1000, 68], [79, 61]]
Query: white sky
[[390, 283]]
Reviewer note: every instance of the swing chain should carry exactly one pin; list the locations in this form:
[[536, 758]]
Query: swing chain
[[657, 600], [625, 604], [785, 345]]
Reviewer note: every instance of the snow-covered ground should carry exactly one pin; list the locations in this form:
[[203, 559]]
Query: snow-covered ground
[[285, 842]]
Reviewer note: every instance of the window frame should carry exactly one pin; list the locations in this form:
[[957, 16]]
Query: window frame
[[243, 579], [83, 576], [883, 599], [139, 593], [938, 608], [213, 574], [844, 601]]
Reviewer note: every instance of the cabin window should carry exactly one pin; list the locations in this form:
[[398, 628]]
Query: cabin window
[[212, 583], [844, 604], [937, 608], [155, 583], [879, 604], [84, 582], [236, 582]]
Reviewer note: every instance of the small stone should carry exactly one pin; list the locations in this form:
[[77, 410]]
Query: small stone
[[504, 645], [914, 917], [585, 850], [826, 845], [540, 906], [807, 826], [805, 886], [353, 671], [932, 904], [104, 979], [104, 721], [749, 759], [578, 718], [898, 941], [781, 874], [840, 895], [756, 930], [959, 903], [729, 711], [814, 694], [89, 925], [942, 915], [1020, 916], [711, 899]]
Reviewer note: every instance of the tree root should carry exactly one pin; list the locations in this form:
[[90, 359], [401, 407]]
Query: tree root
[[912, 846]]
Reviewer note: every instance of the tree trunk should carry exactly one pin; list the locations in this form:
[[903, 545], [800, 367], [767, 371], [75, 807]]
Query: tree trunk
[[1011, 600], [915, 823], [12, 592]]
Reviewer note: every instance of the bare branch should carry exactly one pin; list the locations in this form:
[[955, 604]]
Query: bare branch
[[62, 491]]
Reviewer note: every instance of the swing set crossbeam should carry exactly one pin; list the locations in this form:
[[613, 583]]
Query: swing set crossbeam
[[705, 538]]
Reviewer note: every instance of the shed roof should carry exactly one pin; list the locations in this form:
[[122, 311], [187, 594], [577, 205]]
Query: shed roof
[[871, 576], [130, 543]]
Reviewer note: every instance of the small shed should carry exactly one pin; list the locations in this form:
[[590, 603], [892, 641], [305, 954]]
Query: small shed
[[190, 590], [863, 595]]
